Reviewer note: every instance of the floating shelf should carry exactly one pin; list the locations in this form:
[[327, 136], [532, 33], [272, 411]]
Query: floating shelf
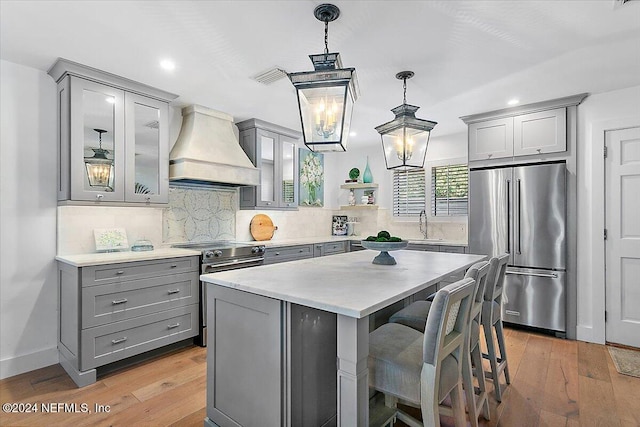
[[358, 185], [359, 207]]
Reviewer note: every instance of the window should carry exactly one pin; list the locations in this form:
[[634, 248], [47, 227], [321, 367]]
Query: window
[[408, 192], [449, 190]]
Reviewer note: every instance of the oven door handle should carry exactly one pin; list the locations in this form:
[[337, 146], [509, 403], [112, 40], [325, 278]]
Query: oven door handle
[[235, 262]]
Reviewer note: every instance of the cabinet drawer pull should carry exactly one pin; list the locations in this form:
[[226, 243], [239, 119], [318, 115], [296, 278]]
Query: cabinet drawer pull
[[277, 253], [173, 291], [120, 272], [119, 301], [119, 340], [174, 265], [173, 326]]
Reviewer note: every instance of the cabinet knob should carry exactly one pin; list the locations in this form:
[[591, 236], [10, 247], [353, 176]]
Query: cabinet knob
[[148, 198], [268, 203], [99, 196], [489, 155], [539, 150]]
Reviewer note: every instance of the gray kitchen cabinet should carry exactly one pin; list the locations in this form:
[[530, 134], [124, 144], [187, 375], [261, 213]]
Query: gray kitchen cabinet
[[534, 130], [329, 248], [540, 133], [536, 133], [273, 150], [491, 139], [274, 255], [114, 311], [109, 119]]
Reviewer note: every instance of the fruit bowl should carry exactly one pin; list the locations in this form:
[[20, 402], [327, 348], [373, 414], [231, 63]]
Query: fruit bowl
[[384, 247]]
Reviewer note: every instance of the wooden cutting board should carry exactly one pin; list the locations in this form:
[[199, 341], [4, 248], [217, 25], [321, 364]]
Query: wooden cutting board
[[262, 227]]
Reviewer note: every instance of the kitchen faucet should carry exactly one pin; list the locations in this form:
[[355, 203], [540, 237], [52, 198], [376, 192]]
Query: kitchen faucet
[[423, 223]]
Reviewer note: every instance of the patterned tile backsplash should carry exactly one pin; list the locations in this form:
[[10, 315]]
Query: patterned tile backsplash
[[199, 215]]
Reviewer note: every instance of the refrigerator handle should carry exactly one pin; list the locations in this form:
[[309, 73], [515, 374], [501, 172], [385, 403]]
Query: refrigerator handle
[[521, 273], [519, 217], [508, 216]]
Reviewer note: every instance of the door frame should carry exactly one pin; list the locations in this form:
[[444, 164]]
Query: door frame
[[594, 260]]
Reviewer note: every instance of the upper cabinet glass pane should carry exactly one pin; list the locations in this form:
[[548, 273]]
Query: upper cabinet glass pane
[[98, 118], [267, 169], [147, 155], [288, 170]]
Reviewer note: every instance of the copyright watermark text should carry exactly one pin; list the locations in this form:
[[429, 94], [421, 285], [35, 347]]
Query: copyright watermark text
[[53, 407]]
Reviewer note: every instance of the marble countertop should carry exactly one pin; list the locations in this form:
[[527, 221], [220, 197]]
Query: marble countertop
[[348, 283], [83, 260]]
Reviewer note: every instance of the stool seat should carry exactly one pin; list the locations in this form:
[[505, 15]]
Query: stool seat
[[395, 363]]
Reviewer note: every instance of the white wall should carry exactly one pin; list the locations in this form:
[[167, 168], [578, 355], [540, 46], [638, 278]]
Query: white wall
[[28, 286], [611, 110]]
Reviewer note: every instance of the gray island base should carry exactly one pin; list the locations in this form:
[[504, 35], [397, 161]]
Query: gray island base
[[289, 342]]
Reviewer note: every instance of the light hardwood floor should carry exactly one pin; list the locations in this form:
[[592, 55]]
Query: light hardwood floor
[[554, 383]]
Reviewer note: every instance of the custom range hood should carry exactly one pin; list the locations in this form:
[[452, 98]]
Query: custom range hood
[[207, 151]]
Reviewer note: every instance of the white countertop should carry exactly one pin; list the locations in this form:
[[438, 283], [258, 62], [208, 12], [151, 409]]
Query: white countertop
[[348, 283], [83, 260]]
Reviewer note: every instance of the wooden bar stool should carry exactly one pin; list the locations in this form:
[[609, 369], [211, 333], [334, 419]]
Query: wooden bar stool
[[492, 321], [421, 370]]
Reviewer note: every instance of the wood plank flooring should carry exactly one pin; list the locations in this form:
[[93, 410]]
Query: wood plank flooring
[[554, 383]]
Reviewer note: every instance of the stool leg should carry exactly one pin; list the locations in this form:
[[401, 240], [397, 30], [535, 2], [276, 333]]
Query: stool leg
[[458, 406], [491, 348], [503, 351], [467, 380], [476, 357]]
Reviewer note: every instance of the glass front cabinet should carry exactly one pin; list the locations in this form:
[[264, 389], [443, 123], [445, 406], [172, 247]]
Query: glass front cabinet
[[273, 150], [113, 140]]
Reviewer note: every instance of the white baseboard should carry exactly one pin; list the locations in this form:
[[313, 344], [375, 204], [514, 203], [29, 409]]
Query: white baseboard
[[28, 362]]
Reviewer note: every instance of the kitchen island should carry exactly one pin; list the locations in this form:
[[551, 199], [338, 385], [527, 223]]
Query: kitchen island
[[276, 326]]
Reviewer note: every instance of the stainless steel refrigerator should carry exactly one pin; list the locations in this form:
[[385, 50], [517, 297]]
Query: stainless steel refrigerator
[[522, 210]]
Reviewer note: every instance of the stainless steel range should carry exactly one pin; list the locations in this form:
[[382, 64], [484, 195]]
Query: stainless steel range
[[221, 256]]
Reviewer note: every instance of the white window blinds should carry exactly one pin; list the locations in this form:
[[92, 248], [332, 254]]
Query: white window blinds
[[408, 192], [449, 190]]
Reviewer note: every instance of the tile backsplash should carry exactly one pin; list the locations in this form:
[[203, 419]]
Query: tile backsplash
[[200, 214], [76, 225]]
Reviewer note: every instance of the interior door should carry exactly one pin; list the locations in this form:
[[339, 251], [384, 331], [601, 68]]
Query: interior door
[[622, 181], [539, 216]]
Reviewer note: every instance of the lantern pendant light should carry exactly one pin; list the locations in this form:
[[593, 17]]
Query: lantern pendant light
[[326, 95], [405, 138], [99, 167]]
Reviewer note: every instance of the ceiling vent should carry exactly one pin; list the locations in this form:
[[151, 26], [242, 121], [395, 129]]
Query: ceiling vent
[[618, 3], [271, 75]]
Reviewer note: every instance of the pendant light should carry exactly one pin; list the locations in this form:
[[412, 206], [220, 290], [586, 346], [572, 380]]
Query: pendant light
[[99, 167], [326, 95], [405, 138]]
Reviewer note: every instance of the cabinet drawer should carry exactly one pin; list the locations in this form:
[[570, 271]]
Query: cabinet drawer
[[101, 274], [116, 341], [114, 302], [333, 248], [287, 253], [452, 249], [421, 247]]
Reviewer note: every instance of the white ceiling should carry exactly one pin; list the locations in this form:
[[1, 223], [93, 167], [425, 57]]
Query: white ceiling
[[468, 56]]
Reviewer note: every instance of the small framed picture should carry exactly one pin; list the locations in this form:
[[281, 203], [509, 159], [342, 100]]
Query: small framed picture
[[339, 225], [110, 239]]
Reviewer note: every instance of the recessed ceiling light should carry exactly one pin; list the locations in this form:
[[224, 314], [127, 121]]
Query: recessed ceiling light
[[513, 101], [168, 65]]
